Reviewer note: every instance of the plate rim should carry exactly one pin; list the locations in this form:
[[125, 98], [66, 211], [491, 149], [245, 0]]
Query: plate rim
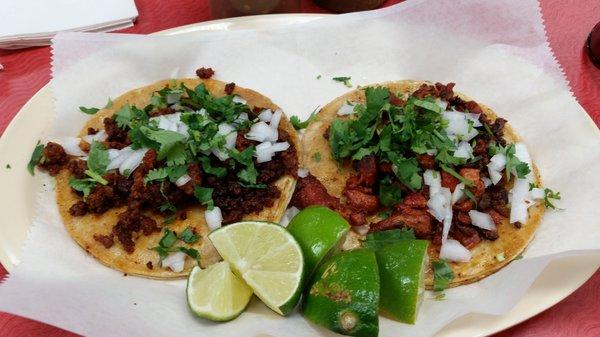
[[514, 318]]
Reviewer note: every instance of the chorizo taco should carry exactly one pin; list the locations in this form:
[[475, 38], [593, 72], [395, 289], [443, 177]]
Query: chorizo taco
[[151, 174], [417, 156]]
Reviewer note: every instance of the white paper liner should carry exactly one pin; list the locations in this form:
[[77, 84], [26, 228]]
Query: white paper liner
[[496, 52]]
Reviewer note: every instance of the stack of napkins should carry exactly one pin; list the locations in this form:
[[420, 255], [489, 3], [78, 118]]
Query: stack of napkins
[[27, 23]]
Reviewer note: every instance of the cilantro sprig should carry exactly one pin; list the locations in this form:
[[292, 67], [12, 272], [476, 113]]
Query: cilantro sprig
[[36, 156], [442, 275], [167, 243], [299, 125], [97, 163], [343, 79]]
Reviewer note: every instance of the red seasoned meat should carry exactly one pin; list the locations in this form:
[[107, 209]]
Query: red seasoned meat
[[106, 240], [77, 168], [310, 191], [415, 200], [113, 131], [416, 219], [229, 87], [205, 73], [427, 162], [361, 201], [131, 223], [161, 111], [466, 235], [445, 91], [449, 181], [463, 206], [101, 199], [54, 158], [79, 208], [472, 174], [395, 100]]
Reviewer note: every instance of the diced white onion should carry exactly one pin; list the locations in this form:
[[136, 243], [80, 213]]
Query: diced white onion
[[463, 150], [362, 230], [265, 115], [213, 218], [519, 201], [482, 220], [173, 97], [431, 152], [289, 214], [182, 128], [486, 181], [496, 166], [276, 119], [537, 193], [441, 103], [458, 193], [230, 134], [523, 155], [132, 161], [117, 157], [239, 99], [265, 151], [440, 203], [184, 179], [302, 172], [347, 108], [432, 179], [452, 250], [458, 125], [71, 146], [261, 132], [241, 118], [174, 261], [280, 146], [100, 136]]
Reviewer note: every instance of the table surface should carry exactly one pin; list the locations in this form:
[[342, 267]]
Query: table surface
[[568, 22]]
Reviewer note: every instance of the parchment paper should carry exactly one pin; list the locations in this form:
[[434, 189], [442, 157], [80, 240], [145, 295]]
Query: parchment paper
[[495, 51]]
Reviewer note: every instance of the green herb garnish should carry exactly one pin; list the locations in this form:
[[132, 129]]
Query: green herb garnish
[[298, 125], [188, 236], [344, 79], [36, 156], [89, 111], [317, 156], [204, 196], [442, 275]]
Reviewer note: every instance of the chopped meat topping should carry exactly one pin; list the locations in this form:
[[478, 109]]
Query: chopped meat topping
[[205, 73], [54, 158], [229, 87], [106, 240], [132, 222]]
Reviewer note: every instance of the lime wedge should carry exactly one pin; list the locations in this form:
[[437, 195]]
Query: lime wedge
[[402, 271], [267, 257], [216, 293], [344, 295], [320, 232]]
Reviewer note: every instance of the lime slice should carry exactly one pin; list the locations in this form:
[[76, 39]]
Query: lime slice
[[320, 232], [267, 257], [402, 271], [216, 293], [344, 295]]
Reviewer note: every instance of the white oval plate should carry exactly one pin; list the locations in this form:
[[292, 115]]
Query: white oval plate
[[18, 188]]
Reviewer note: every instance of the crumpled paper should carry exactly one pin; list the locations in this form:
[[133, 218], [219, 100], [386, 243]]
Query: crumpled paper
[[496, 52]]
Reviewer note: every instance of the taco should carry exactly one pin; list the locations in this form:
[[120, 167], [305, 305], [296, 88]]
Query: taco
[[152, 173], [417, 156]]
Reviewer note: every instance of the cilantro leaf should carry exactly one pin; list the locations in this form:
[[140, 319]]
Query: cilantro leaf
[[84, 186], [191, 252], [168, 239], [170, 145], [407, 170], [377, 240], [129, 114], [109, 104], [549, 194], [95, 177], [344, 79], [36, 156], [317, 156], [427, 105], [156, 174], [207, 167], [188, 236], [298, 125], [98, 158], [248, 174], [204, 196], [389, 194], [89, 111], [442, 275], [455, 174]]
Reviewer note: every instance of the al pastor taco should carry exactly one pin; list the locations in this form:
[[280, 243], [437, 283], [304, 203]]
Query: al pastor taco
[[417, 156], [150, 175]]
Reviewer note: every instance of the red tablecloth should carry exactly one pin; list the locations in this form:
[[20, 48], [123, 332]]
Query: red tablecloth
[[568, 22]]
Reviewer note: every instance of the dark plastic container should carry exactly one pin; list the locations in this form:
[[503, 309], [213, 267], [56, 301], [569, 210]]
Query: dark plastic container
[[593, 45], [345, 6], [229, 8]]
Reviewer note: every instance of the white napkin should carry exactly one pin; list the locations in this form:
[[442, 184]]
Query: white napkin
[[28, 23]]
